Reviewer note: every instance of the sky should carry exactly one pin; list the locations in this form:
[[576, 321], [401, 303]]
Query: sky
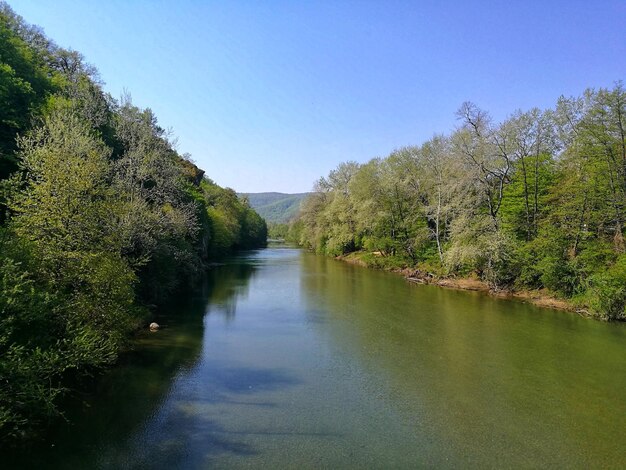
[[271, 95]]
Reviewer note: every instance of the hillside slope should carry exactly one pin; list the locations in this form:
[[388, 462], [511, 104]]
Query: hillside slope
[[275, 207]]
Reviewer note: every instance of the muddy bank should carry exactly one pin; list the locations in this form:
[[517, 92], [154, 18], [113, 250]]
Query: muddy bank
[[541, 298]]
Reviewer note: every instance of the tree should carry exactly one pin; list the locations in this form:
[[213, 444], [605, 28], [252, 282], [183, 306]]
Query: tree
[[67, 293], [485, 152], [441, 177]]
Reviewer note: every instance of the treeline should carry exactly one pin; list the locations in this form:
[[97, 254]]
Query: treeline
[[279, 231], [535, 202], [100, 218]]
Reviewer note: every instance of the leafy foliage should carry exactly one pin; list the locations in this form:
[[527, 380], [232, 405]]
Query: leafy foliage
[[536, 201], [100, 217]]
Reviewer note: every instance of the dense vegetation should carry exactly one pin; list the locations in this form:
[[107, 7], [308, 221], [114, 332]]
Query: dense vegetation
[[276, 208], [535, 202], [100, 218]]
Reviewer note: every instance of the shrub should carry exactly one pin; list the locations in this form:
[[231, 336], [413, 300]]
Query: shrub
[[606, 294]]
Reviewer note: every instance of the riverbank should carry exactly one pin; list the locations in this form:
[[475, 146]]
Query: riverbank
[[541, 298], [285, 358]]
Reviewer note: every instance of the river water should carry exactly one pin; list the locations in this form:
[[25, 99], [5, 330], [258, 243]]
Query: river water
[[285, 359]]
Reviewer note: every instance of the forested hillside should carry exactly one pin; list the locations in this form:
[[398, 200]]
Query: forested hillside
[[277, 208], [534, 202], [100, 217]]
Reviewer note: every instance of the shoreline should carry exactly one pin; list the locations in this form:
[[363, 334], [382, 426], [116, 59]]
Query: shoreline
[[540, 298]]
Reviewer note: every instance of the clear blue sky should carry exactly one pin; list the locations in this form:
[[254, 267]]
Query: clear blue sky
[[271, 95]]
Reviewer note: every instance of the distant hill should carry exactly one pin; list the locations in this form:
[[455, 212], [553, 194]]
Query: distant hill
[[275, 207]]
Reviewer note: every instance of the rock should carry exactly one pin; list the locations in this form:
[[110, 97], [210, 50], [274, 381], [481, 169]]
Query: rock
[[154, 326]]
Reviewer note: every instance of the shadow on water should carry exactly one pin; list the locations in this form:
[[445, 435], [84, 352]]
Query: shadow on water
[[245, 380], [111, 410], [229, 284], [189, 430]]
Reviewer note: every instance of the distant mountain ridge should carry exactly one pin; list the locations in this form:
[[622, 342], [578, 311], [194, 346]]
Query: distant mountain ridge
[[275, 207]]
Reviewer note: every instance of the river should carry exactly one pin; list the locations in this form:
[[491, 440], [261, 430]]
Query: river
[[284, 359]]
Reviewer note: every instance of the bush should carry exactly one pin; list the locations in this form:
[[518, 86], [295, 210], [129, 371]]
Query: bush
[[606, 294]]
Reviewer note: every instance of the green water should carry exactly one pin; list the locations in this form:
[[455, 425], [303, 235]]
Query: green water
[[289, 360]]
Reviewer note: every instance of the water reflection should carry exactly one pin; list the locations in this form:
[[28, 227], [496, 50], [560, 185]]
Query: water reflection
[[229, 284], [105, 419], [504, 383], [188, 430], [288, 360]]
